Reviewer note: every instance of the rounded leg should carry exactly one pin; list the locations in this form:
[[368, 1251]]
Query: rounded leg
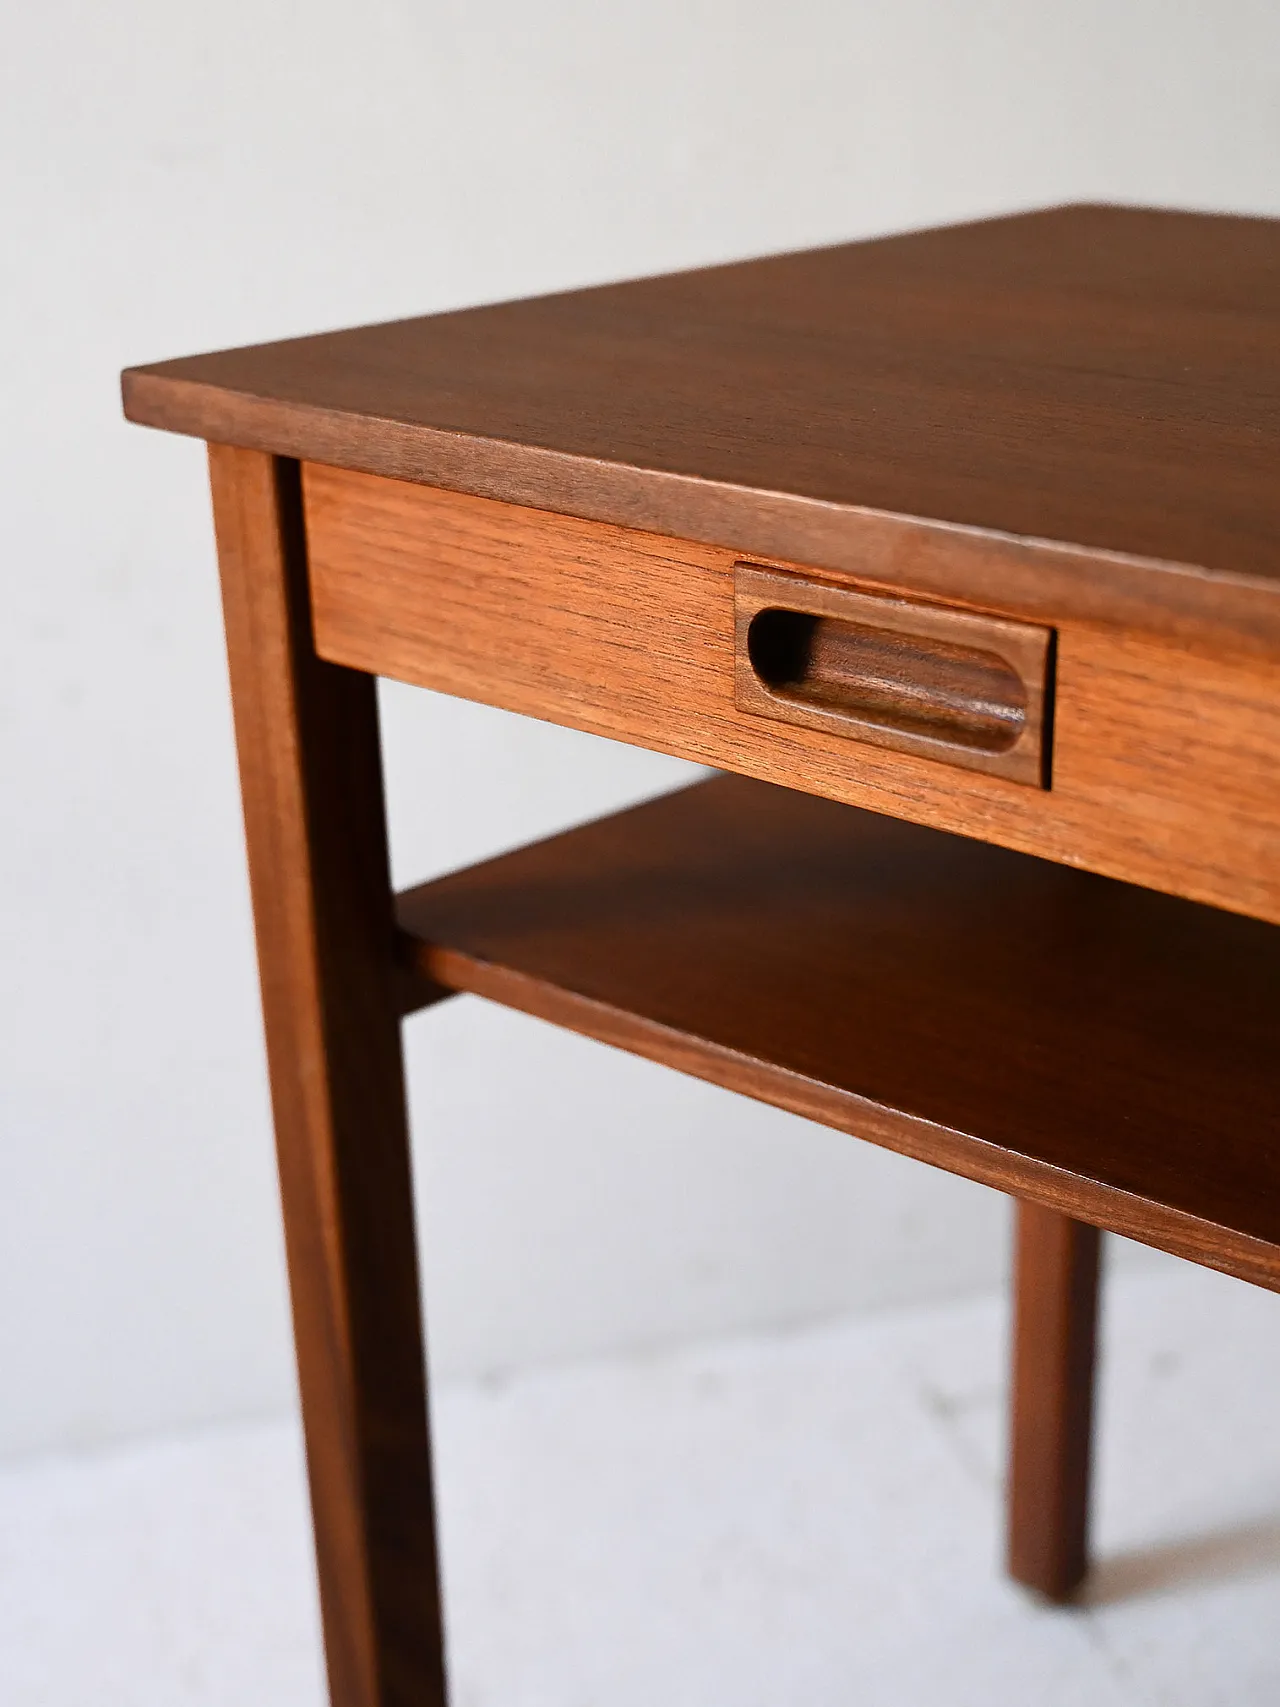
[[1051, 1417]]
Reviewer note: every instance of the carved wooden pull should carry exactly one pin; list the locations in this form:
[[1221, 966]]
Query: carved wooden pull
[[970, 690]]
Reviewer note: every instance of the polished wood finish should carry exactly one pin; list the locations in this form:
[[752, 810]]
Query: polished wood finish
[[918, 678], [1061, 426], [1098, 1048], [1055, 1293], [1164, 756], [1071, 412], [312, 784]]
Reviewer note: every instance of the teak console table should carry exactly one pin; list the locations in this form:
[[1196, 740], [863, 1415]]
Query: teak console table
[[960, 551]]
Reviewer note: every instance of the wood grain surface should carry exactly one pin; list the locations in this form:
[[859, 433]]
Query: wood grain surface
[[1068, 419], [312, 787], [1055, 1309], [1075, 410], [1164, 755], [1085, 1044]]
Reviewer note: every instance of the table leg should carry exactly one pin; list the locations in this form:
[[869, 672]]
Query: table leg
[[1051, 1418], [311, 778]]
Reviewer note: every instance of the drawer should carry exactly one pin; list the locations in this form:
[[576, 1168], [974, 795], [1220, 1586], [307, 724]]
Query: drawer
[[1159, 763]]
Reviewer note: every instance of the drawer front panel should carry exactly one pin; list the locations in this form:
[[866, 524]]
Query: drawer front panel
[[1165, 761]]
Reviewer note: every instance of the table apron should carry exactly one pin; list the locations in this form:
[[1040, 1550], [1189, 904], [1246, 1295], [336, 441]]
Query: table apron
[[1164, 756]]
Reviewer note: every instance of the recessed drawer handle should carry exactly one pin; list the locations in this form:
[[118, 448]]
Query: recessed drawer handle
[[952, 685]]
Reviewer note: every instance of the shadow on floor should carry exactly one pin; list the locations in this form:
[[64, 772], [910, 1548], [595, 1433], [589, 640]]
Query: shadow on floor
[[1251, 1550]]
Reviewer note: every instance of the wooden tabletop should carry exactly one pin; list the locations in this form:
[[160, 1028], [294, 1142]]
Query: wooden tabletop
[[1107, 379]]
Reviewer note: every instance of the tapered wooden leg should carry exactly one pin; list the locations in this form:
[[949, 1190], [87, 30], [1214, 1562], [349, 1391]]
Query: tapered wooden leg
[[1051, 1422], [312, 784]]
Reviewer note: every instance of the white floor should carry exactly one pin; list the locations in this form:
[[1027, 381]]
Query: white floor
[[804, 1520]]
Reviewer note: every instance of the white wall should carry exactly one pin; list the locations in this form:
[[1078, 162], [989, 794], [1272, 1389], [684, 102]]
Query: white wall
[[180, 177]]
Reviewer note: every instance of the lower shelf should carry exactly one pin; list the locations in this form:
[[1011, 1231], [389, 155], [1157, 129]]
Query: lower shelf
[[1101, 1048]]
